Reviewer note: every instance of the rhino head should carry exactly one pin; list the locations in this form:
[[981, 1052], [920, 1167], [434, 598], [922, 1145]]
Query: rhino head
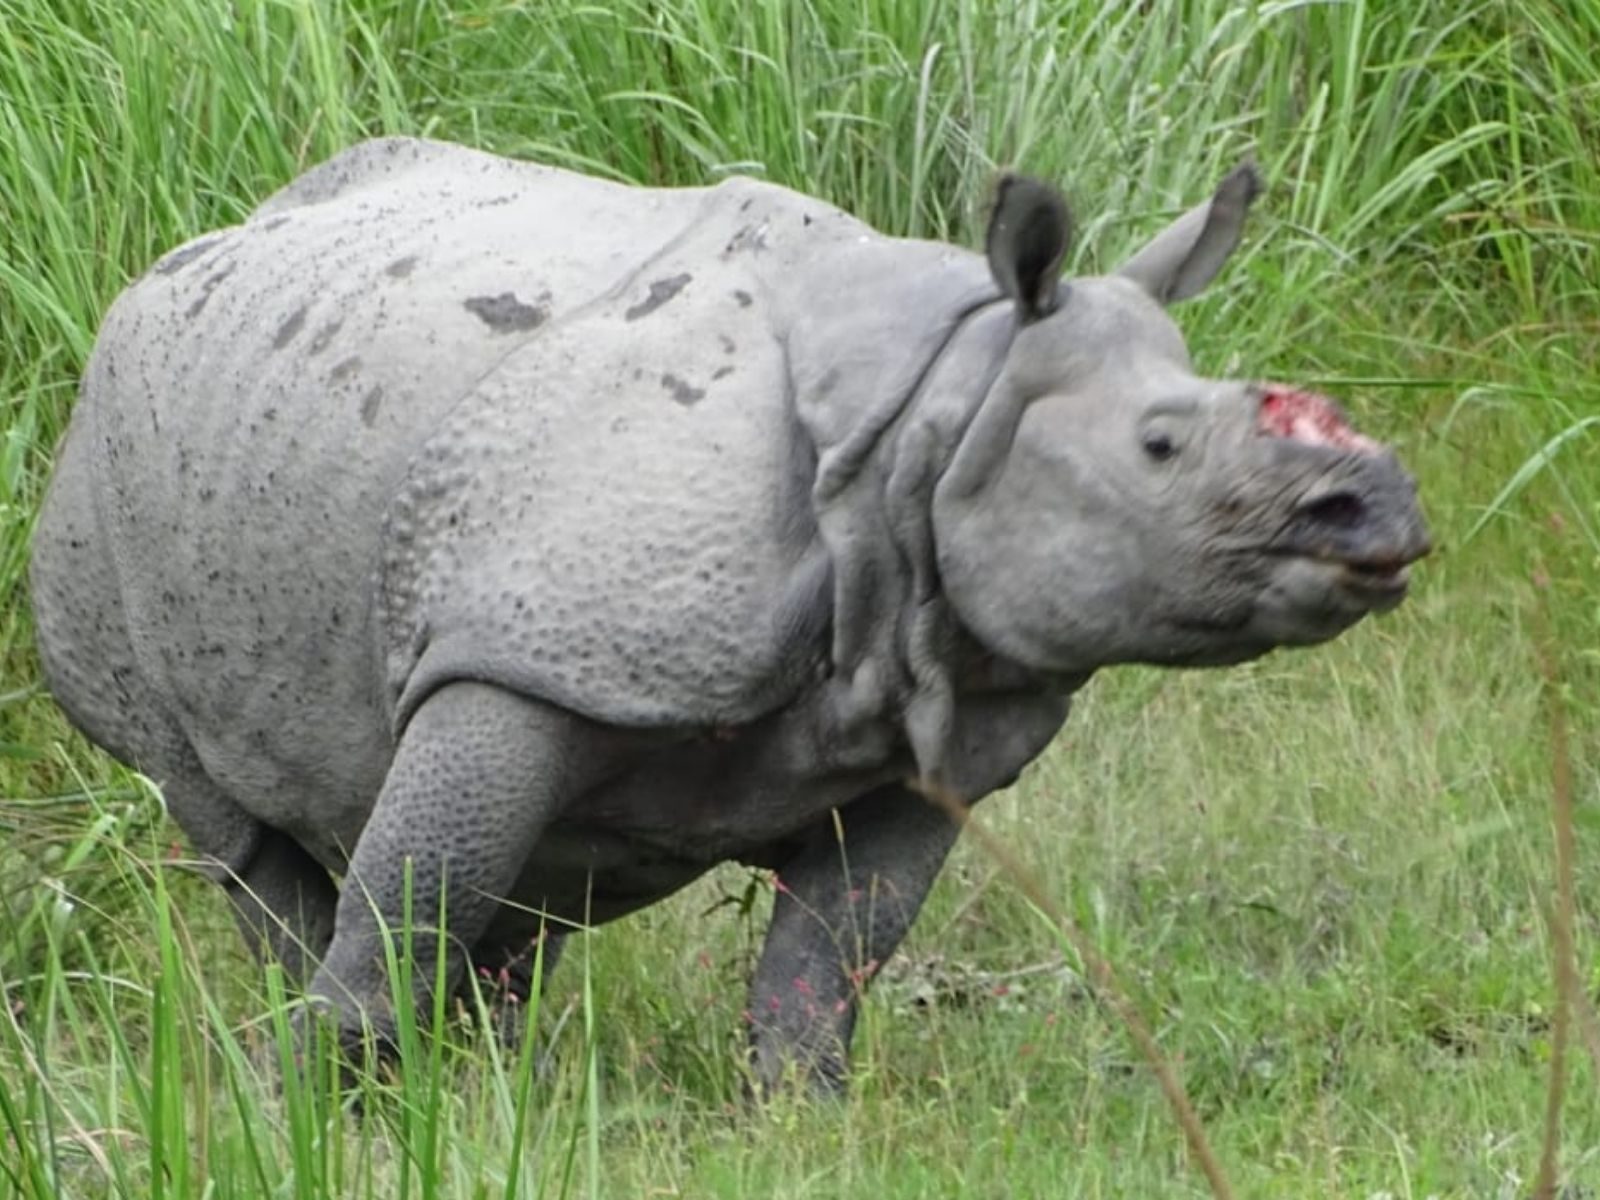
[[1108, 504]]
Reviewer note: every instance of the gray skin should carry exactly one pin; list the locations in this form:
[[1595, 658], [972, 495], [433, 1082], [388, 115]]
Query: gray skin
[[563, 539]]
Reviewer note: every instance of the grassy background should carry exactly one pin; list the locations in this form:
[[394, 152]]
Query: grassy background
[[1325, 875]]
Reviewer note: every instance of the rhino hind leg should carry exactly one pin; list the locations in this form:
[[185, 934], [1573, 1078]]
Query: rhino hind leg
[[281, 897], [284, 901], [842, 910]]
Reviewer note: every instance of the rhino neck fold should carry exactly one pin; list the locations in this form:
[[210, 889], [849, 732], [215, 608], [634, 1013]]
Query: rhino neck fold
[[895, 640]]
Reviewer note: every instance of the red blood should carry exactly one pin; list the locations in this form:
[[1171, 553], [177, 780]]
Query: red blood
[[1307, 417]]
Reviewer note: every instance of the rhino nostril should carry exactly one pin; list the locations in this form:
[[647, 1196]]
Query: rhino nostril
[[1336, 510]]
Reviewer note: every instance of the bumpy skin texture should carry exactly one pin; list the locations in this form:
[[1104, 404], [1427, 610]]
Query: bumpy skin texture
[[561, 539]]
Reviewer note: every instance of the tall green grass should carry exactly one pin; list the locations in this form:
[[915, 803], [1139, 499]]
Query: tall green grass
[[1324, 875]]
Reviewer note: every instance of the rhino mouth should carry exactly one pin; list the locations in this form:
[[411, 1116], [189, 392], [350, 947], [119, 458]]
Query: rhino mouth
[[1373, 583], [1377, 578], [1297, 598]]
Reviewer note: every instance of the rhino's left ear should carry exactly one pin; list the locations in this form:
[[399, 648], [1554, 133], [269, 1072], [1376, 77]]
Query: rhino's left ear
[[1186, 255], [1029, 232]]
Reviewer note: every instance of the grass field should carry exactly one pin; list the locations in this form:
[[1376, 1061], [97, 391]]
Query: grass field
[[1325, 877]]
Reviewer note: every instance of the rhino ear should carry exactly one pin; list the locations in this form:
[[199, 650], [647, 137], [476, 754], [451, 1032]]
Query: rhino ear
[[1186, 255], [1029, 231]]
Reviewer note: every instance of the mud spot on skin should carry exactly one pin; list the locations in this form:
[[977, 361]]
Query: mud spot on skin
[[345, 368], [401, 267], [324, 336], [369, 406], [682, 391], [743, 297], [661, 291], [185, 255], [207, 288], [505, 313], [289, 328], [750, 239]]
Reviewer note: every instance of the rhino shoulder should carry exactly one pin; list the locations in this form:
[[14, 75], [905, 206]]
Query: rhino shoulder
[[616, 519]]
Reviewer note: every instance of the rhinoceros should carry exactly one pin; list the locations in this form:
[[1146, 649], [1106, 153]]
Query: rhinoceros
[[555, 540]]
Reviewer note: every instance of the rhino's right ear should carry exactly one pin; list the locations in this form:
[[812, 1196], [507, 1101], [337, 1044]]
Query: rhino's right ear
[[1186, 255], [1029, 231]]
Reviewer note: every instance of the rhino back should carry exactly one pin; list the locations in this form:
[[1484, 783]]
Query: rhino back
[[257, 398]]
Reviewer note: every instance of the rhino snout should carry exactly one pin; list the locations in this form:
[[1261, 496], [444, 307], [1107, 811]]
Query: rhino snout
[[1364, 521], [1362, 512]]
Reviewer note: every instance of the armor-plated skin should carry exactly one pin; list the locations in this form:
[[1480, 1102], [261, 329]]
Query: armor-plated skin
[[564, 539]]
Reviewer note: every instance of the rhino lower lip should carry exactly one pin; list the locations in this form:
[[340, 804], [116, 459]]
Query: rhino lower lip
[[1385, 579], [1372, 574]]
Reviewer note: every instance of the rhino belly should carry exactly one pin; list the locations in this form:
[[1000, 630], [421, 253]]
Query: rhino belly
[[747, 794], [752, 794], [663, 832]]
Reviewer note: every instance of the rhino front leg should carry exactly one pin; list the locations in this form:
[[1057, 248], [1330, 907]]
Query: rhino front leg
[[478, 775], [842, 909]]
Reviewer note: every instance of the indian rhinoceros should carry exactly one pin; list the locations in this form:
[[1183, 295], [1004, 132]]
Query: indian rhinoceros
[[563, 539]]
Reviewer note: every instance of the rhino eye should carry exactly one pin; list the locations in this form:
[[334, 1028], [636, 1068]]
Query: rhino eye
[[1158, 446]]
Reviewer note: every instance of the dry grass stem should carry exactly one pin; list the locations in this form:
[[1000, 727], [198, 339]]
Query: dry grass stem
[[1104, 978]]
